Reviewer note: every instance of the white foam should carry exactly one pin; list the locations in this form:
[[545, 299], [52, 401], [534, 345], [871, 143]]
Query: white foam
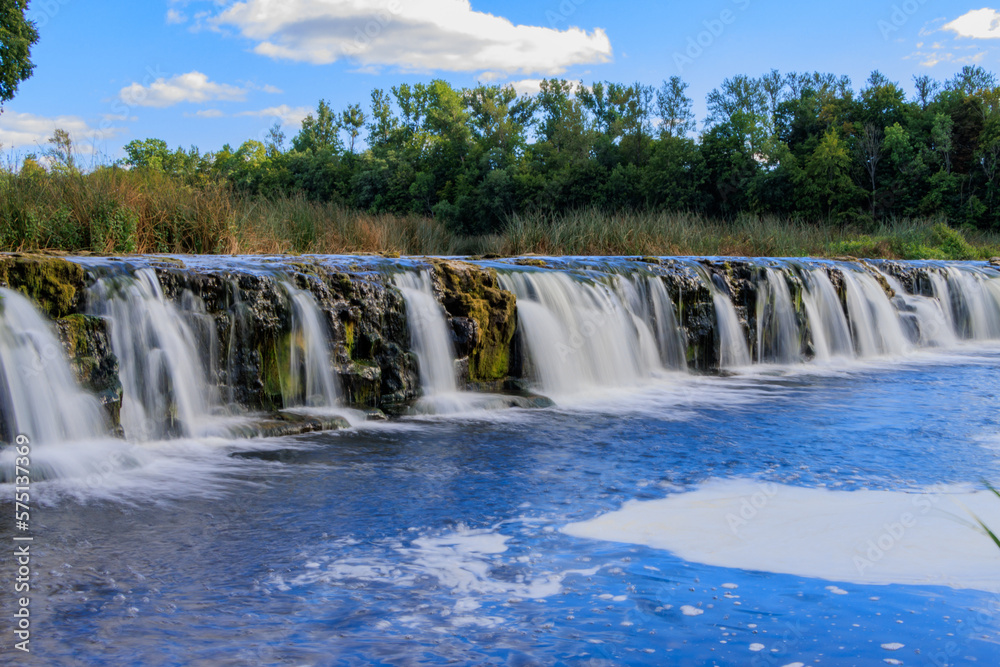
[[864, 537], [463, 563]]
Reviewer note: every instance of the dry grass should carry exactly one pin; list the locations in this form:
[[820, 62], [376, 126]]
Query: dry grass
[[116, 211]]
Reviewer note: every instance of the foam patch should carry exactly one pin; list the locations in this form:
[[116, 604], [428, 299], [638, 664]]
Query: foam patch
[[865, 537]]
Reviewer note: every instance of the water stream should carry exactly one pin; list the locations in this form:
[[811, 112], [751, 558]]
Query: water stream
[[772, 464]]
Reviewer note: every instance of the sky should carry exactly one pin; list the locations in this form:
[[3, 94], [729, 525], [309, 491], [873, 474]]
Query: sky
[[211, 72]]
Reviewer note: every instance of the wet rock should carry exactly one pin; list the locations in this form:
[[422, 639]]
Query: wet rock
[[474, 292], [53, 283], [88, 348]]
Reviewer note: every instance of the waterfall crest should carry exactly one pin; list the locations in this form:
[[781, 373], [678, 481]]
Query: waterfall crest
[[166, 388], [311, 380], [582, 333], [39, 396], [428, 334]]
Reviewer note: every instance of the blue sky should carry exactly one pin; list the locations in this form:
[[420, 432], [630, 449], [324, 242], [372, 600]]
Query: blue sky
[[210, 72]]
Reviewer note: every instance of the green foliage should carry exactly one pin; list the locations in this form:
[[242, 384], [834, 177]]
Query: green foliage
[[17, 36], [952, 243], [481, 160]]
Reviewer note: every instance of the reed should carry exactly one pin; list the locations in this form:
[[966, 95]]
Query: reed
[[112, 210]]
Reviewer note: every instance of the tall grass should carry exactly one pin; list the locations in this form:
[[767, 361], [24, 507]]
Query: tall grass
[[116, 211]]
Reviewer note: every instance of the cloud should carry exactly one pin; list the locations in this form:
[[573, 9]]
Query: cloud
[[206, 113], [286, 114], [527, 86], [413, 35], [932, 58], [977, 24], [174, 17], [190, 87], [21, 130]]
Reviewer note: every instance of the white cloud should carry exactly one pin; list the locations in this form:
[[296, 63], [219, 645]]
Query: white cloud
[[27, 130], [175, 17], [527, 86], [190, 87], [286, 114], [413, 35], [977, 24], [932, 58], [206, 113], [283, 113]]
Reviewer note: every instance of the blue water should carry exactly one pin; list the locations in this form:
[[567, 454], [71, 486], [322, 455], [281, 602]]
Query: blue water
[[436, 540]]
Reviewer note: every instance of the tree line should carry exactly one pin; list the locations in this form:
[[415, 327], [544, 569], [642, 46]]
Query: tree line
[[797, 145]]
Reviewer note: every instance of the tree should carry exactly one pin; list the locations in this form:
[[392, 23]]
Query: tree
[[275, 140], [869, 151], [972, 79], [882, 101], [150, 154], [352, 120], [60, 152], [17, 36], [941, 138], [773, 84], [674, 108], [319, 131], [828, 183], [500, 120], [742, 103], [926, 89]]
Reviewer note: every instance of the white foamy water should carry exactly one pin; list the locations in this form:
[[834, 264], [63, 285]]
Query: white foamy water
[[863, 537], [38, 395], [312, 381], [462, 564]]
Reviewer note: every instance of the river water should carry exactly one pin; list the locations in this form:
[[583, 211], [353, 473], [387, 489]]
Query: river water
[[446, 540], [788, 509]]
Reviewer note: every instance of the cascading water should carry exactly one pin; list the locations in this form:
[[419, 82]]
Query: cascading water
[[428, 335], [975, 301], [39, 396], [166, 389], [310, 381], [650, 302], [733, 352], [926, 322], [777, 328], [580, 333], [874, 321], [831, 333]]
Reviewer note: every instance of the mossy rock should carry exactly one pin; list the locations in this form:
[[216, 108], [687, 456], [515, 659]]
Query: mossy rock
[[362, 385], [88, 349], [474, 292], [54, 284]]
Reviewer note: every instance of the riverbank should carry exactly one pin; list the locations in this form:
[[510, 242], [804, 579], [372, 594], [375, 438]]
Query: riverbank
[[117, 211]]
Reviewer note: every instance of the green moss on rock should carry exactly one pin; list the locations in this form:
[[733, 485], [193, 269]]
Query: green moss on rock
[[474, 292], [53, 283], [92, 360]]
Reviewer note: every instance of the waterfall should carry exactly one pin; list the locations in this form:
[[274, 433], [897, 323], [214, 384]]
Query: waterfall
[[777, 328], [39, 396], [669, 337], [584, 334], [311, 381], [927, 322], [874, 320], [428, 334], [831, 333], [166, 388], [974, 300], [733, 352]]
